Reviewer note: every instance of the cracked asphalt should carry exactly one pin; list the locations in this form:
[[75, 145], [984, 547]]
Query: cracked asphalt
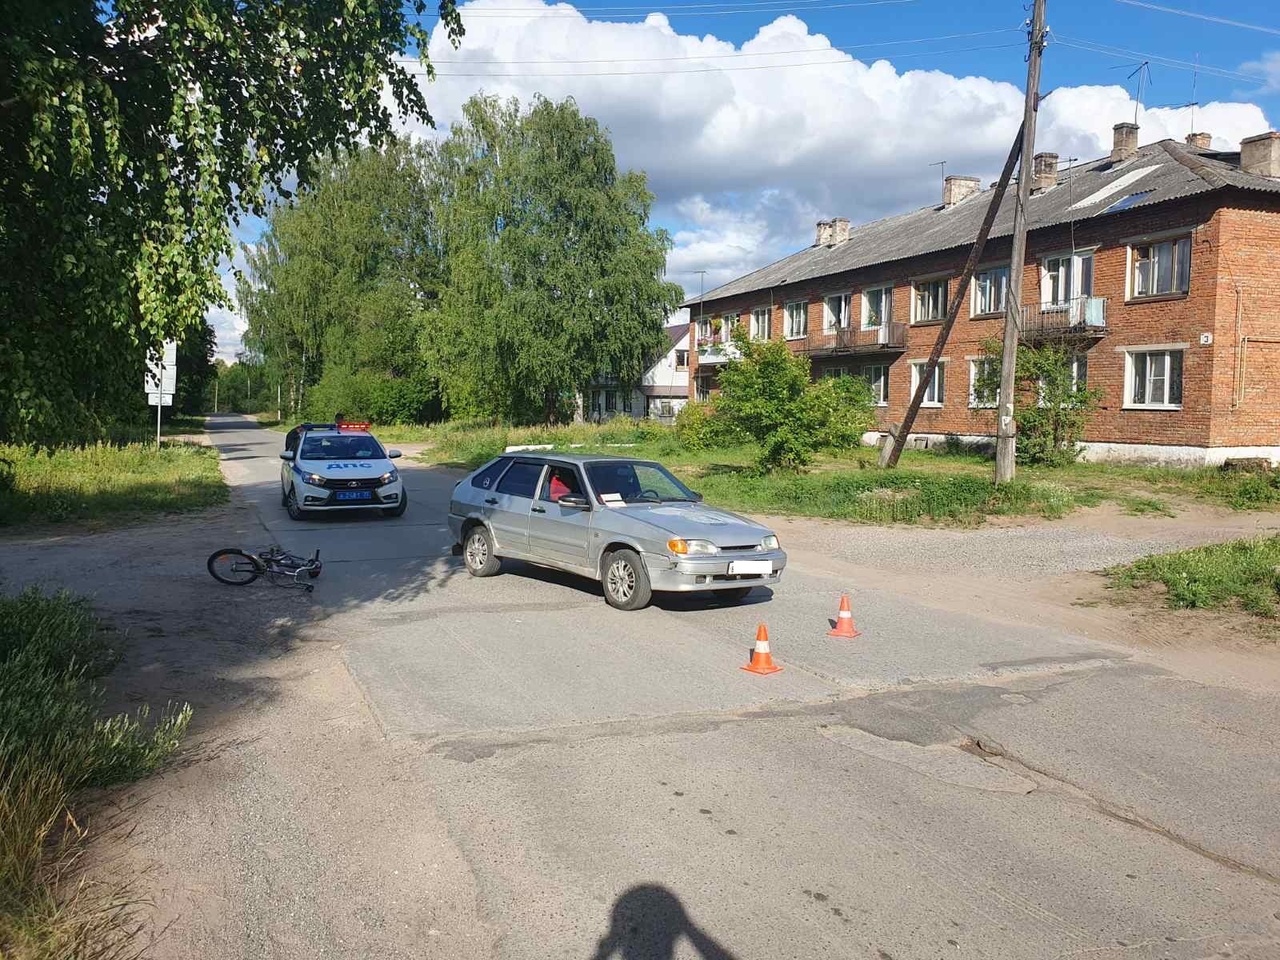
[[450, 767]]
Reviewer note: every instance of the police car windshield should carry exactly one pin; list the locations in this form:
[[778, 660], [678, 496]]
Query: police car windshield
[[341, 447]]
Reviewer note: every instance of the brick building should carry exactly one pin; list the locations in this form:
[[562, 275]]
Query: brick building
[[1158, 265]]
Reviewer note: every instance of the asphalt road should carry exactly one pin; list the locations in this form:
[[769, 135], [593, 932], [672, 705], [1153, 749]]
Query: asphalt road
[[950, 784]]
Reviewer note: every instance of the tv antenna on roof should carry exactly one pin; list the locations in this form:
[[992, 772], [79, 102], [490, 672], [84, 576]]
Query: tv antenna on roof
[[943, 165], [1143, 72]]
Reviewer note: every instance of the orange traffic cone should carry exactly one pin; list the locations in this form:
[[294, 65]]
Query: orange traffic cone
[[844, 621], [761, 658]]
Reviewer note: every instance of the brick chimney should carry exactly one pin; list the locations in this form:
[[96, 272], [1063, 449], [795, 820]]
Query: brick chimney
[[1044, 171], [955, 189], [1201, 141], [1125, 141], [1260, 155], [826, 229], [839, 229]]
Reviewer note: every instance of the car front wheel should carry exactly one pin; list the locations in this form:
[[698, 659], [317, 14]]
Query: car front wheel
[[626, 581], [477, 553], [291, 504]]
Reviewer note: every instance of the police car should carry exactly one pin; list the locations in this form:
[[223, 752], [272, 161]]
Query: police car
[[338, 466]]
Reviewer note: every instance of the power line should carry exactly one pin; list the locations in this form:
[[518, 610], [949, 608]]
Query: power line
[[1202, 16], [544, 13], [1123, 54], [726, 56], [672, 73]]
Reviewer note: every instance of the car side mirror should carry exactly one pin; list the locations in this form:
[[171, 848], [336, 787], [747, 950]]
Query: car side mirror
[[286, 455], [573, 500], [394, 454]]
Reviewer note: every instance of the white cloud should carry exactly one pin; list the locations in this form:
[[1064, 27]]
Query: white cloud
[[228, 324], [1268, 68]]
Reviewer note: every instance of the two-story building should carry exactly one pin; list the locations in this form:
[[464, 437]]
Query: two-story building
[[663, 388], [1159, 266]]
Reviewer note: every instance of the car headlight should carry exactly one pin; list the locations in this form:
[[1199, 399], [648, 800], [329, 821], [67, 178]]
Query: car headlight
[[391, 476], [313, 480], [685, 548], [769, 543]]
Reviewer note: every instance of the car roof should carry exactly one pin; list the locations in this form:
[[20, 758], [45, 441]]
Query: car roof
[[331, 432], [568, 457]]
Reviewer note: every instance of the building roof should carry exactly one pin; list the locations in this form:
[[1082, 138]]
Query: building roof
[[1156, 173], [677, 332]]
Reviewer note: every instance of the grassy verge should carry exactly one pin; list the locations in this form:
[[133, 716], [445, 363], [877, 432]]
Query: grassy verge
[[54, 745], [1243, 572], [106, 483]]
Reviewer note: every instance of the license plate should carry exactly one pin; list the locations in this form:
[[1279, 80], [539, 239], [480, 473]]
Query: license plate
[[355, 494], [751, 566]]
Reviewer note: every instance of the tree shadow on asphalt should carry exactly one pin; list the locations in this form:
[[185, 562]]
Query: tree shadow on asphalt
[[646, 924]]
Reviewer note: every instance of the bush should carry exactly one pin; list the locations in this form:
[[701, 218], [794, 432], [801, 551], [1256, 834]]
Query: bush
[[769, 396], [698, 427]]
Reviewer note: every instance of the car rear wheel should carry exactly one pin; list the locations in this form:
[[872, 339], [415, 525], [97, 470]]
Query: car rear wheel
[[477, 552], [291, 504], [626, 581]]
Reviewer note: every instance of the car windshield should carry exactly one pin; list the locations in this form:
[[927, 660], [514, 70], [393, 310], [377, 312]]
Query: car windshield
[[349, 446], [635, 482]]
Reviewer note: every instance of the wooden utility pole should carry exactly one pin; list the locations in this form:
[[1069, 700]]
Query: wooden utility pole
[[898, 435], [1006, 428]]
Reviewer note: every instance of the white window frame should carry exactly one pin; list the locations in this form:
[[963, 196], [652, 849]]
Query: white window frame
[[1075, 278], [703, 327], [974, 402], [882, 395], [1078, 382], [836, 372], [916, 286], [676, 359], [975, 291], [1160, 349], [757, 315], [886, 301], [789, 310], [938, 387], [728, 321], [1181, 285], [828, 319]]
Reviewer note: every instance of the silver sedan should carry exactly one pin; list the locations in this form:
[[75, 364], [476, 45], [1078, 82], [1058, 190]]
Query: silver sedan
[[628, 523]]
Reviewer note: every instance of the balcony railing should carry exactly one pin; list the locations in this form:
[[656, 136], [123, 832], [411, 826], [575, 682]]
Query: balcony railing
[[716, 350], [887, 336], [1080, 317]]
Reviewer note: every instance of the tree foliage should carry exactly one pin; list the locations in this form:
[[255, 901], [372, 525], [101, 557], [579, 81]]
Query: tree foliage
[[132, 131], [335, 291], [553, 278], [769, 395], [1051, 408]]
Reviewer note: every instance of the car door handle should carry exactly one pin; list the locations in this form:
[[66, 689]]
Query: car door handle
[[537, 510], [492, 501]]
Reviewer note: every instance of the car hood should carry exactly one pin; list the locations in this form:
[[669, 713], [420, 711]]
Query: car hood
[[696, 521], [346, 469]]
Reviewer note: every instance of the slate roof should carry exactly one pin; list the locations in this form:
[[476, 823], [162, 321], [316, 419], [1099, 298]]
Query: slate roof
[[676, 332], [1158, 172]]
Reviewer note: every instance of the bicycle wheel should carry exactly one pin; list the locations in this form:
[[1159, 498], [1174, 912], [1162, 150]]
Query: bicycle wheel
[[234, 567]]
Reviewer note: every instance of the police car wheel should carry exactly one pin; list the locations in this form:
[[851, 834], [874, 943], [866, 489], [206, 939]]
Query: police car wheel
[[291, 504], [399, 509]]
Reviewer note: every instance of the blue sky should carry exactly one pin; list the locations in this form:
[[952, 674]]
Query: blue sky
[[754, 118]]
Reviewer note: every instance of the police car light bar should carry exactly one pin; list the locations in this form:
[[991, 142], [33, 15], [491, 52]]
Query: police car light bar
[[354, 426]]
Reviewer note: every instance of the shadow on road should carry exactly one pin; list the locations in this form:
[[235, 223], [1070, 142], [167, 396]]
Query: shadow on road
[[647, 923]]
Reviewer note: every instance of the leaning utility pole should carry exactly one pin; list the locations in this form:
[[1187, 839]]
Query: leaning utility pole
[[1006, 428]]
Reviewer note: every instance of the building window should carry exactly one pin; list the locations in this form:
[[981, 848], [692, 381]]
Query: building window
[[760, 324], [702, 387], [1161, 269], [930, 301], [877, 374], [984, 382], [610, 401], [664, 408], [835, 312], [1153, 378], [797, 320], [682, 359], [935, 393], [877, 307], [1079, 372], [836, 372], [626, 401], [990, 290], [704, 329], [1065, 277]]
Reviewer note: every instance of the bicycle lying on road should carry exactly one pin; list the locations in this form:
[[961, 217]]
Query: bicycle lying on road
[[239, 567]]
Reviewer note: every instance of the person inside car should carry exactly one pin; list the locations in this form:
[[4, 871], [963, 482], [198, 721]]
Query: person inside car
[[561, 482]]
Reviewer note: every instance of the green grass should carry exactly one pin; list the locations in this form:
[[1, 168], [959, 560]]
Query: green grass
[[181, 425], [53, 745], [104, 483], [1244, 572]]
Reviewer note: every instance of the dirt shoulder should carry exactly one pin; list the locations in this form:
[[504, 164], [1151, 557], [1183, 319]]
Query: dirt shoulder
[[288, 826]]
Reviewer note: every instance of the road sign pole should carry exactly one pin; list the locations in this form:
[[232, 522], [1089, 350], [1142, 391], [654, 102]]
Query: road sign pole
[[159, 406]]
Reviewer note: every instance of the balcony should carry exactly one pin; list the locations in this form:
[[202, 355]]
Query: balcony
[[886, 338], [716, 351], [1081, 318]]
